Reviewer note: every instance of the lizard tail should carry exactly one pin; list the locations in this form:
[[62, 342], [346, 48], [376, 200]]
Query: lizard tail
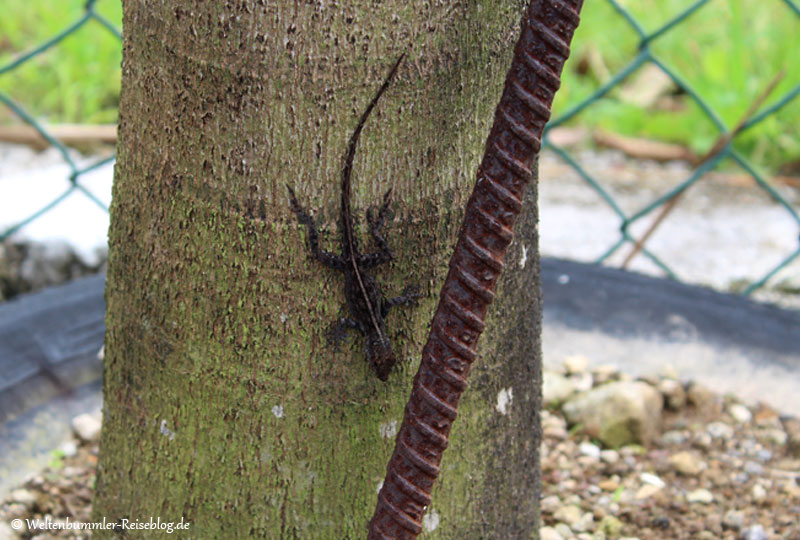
[[347, 170]]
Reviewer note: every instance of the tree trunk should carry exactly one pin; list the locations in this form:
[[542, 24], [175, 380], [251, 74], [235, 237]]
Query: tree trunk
[[224, 405]]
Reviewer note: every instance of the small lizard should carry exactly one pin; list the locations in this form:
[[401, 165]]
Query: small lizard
[[367, 306]]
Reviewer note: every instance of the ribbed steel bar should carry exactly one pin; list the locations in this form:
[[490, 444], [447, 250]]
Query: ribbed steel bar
[[476, 264]]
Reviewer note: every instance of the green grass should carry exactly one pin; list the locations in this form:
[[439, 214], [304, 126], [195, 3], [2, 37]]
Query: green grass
[[78, 79], [727, 51]]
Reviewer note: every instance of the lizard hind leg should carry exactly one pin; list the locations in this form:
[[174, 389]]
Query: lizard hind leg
[[384, 253], [337, 331], [325, 257]]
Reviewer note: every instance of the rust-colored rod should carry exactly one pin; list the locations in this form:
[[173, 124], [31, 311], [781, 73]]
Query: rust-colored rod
[[495, 203]]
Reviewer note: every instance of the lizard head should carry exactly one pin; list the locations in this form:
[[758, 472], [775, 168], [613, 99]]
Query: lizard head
[[380, 355]]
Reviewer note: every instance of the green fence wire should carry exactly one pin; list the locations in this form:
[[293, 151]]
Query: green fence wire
[[626, 220], [646, 55], [90, 16]]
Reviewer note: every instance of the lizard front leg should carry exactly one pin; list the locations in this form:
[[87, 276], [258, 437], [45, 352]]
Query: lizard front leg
[[325, 257], [384, 253]]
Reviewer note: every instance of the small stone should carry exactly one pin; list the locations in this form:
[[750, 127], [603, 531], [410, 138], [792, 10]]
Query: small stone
[[773, 436], [589, 449], [569, 514], [702, 440], [585, 523], [69, 448], [608, 485], [549, 533], [617, 413], [758, 493], [674, 394], [87, 427], [733, 519], [740, 413], [672, 438], [611, 526], [550, 504], [646, 491], [702, 496], [556, 388], [609, 456], [652, 479], [576, 364], [702, 398], [605, 373], [753, 468], [687, 463], [554, 427], [720, 430], [583, 382], [23, 496], [6, 532], [756, 532], [564, 530]]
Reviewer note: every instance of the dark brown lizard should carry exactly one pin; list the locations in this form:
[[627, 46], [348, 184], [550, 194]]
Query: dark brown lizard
[[365, 301]]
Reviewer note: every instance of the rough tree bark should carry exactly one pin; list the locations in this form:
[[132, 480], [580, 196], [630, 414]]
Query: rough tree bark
[[223, 403]]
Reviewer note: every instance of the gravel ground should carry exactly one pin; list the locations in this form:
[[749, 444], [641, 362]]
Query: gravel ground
[[714, 469]]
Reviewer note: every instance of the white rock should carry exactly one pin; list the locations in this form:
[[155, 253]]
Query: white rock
[[6, 532], [605, 373], [583, 382], [23, 496], [618, 413], [87, 426], [554, 427], [674, 394], [556, 388], [652, 479], [756, 532], [740, 413], [672, 438], [564, 530], [550, 504], [733, 519], [646, 491], [702, 496], [758, 492], [569, 514], [585, 523], [774, 436], [576, 364], [589, 449], [69, 448], [549, 533], [609, 456], [719, 430], [687, 463]]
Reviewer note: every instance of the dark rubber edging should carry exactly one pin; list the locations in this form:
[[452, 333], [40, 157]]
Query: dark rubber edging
[[49, 342]]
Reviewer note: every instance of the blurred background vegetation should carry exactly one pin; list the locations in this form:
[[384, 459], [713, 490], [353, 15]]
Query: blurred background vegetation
[[728, 51]]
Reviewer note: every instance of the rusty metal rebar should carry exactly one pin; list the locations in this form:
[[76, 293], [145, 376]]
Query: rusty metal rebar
[[476, 264]]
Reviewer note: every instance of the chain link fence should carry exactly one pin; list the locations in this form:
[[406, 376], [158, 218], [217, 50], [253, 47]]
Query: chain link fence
[[723, 150], [90, 18]]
